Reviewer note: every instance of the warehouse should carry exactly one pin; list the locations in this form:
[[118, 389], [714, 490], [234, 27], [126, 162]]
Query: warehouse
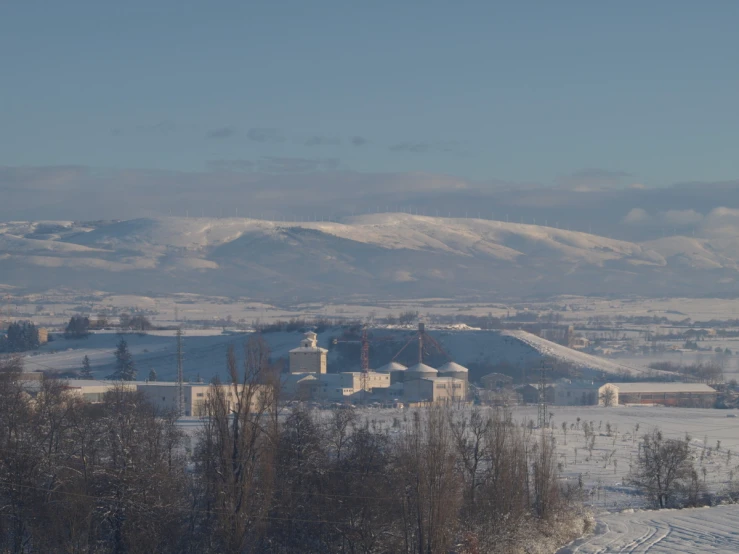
[[689, 395]]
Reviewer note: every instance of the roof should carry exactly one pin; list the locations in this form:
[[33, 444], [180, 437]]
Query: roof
[[298, 377], [453, 366], [330, 379], [392, 366], [660, 387], [308, 349], [76, 383], [422, 368]]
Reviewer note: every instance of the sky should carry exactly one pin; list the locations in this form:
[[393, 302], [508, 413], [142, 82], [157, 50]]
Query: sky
[[568, 93]]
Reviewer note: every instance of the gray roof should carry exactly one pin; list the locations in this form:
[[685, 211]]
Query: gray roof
[[422, 368], [633, 388], [453, 367], [392, 366]]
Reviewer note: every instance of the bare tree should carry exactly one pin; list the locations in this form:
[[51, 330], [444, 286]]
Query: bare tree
[[428, 476], [237, 449], [664, 468]]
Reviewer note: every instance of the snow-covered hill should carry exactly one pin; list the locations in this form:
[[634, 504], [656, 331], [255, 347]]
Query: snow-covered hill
[[381, 255], [205, 352]]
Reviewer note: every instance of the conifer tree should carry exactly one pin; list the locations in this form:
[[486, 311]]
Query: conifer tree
[[125, 369], [86, 372]]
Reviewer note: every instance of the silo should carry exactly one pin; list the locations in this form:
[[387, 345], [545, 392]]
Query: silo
[[456, 371], [396, 371], [452, 369], [420, 371]]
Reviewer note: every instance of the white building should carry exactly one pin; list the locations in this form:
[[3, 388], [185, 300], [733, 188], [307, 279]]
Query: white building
[[162, 395], [93, 390], [436, 390], [308, 357], [693, 395], [372, 380], [575, 393]]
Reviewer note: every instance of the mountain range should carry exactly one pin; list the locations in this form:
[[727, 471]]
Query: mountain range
[[385, 255]]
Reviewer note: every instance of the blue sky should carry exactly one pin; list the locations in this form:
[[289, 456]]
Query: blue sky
[[632, 92]]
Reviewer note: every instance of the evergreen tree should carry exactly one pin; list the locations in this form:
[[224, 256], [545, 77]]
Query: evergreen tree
[[22, 336], [152, 376], [125, 369], [78, 327], [86, 372]]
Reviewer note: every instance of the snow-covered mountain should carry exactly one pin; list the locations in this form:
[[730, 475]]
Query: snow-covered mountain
[[381, 255]]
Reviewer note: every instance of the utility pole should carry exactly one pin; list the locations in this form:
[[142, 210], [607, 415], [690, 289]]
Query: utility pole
[[180, 376], [543, 396]]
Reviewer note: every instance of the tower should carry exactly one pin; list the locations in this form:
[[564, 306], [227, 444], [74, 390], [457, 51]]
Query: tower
[[308, 357]]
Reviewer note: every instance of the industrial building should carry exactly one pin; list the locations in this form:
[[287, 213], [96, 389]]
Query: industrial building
[[575, 393], [308, 357], [92, 390], [392, 382], [691, 395], [530, 393], [435, 390], [162, 395]]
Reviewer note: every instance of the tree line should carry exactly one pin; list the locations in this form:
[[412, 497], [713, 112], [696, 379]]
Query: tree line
[[20, 336], [118, 477]]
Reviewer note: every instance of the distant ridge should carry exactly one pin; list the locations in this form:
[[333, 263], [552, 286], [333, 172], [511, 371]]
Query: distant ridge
[[381, 255]]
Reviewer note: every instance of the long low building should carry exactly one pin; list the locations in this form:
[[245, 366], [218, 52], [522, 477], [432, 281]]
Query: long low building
[[691, 395], [164, 395]]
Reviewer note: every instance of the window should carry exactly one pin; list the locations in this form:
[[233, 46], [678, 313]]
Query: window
[[200, 394]]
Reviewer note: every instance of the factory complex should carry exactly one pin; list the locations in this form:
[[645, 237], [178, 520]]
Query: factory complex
[[391, 383]]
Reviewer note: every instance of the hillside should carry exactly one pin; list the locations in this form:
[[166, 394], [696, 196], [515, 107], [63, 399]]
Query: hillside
[[381, 255], [205, 352]]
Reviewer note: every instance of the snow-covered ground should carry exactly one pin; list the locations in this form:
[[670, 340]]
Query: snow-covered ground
[[579, 359], [604, 470], [699, 530]]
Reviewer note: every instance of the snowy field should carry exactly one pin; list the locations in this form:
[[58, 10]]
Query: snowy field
[[622, 523], [714, 439], [692, 531], [54, 308]]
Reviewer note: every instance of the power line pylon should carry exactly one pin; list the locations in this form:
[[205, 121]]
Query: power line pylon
[[180, 376]]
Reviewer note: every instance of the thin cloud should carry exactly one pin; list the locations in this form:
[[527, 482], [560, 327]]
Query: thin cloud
[[636, 216], [163, 127], [593, 178], [231, 165], [414, 147], [222, 132], [317, 140], [450, 146], [263, 134], [296, 165]]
